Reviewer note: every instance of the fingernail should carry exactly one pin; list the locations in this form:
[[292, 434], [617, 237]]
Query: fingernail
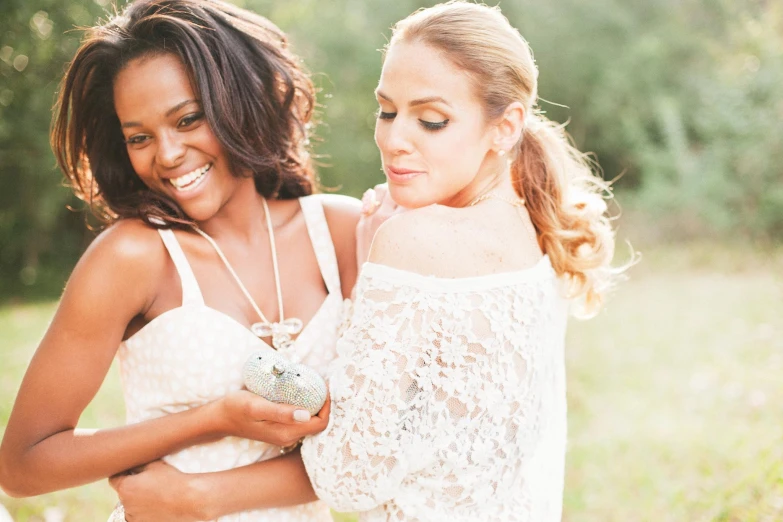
[[301, 415]]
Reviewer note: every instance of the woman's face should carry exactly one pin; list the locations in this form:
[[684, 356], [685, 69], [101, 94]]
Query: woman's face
[[170, 143], [431, 130]]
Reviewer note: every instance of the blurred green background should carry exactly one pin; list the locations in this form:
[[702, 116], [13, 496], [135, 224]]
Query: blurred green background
[[675, 394]]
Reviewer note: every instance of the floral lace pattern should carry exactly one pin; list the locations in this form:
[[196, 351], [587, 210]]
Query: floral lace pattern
[[448, 400]]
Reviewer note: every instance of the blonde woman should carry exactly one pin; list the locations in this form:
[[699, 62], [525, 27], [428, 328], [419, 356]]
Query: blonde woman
[[448, 393]]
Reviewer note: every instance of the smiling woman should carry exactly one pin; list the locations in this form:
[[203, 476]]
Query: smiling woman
[[171, 147], [229, 54], [184, 124]]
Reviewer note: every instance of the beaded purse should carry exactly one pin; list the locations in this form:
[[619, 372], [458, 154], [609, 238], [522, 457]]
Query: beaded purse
[[275, 378]]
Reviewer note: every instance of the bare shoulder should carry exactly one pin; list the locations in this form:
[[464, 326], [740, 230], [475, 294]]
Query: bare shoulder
[[130, 243], [127, 254], [418, 240], [456, 242], [118, 276], [340, 209], [342, 215]]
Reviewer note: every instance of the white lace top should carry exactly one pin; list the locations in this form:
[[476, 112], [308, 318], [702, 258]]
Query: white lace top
[[448, 400]]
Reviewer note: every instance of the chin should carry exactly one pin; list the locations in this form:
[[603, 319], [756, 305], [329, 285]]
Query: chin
[[199, 212], [411, 197]]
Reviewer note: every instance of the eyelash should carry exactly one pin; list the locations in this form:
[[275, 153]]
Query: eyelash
[[190, 119], [186, 121], [135, 140], [428, 125]]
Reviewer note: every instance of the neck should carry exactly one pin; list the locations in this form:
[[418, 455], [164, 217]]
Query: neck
[[500, 181], [241, 217]]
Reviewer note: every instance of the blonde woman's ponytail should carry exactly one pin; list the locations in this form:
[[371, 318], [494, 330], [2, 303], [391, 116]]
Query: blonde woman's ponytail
[[566, 204]]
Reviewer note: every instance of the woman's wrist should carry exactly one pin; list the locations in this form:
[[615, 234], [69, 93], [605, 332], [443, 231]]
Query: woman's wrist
[[199, 497], [212, 419]]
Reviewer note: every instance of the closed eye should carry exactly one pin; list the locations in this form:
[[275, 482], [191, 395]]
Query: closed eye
[[434, 125], [386, 115]]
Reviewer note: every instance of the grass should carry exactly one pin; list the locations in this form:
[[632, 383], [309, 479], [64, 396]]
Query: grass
[[21, 327], [674, 390]]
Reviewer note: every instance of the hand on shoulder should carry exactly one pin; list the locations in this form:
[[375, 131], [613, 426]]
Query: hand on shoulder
[[377, 207]]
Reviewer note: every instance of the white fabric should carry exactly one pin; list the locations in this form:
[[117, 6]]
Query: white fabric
[[448, 400], [194, 354]]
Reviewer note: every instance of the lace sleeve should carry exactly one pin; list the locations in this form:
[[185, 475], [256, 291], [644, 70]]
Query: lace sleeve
[[381, 393]]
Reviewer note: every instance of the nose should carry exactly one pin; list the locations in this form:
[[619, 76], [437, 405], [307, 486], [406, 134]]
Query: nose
[[393, 137], [171, 150]]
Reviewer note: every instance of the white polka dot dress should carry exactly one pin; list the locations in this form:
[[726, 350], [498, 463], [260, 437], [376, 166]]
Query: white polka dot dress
[[194, 354]]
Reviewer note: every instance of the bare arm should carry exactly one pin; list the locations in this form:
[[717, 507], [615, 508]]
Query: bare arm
[[160, 492], [116, 280], [342, 215]]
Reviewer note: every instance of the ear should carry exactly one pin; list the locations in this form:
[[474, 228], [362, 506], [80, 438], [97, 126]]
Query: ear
[[509, 128]]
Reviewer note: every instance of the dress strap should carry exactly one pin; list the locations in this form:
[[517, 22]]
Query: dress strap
[[321, 239], [191, 293]]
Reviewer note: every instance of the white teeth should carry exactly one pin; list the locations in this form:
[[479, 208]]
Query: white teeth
[[191, 178]]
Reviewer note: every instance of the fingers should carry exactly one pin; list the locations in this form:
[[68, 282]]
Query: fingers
[[317, 423], [260, 409], [325, 409], [381, 190], [278, 424]]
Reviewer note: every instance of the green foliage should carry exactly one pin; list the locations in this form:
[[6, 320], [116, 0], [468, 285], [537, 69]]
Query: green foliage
[[682, 98], [40, 237]]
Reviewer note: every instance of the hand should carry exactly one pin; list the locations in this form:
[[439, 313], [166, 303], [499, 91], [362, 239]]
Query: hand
[[156, 492], [245, 414], [377, 207]]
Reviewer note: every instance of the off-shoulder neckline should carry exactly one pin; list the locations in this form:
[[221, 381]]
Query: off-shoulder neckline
[[543, 267]]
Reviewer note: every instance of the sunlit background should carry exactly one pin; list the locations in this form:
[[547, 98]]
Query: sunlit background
[[676, 396]]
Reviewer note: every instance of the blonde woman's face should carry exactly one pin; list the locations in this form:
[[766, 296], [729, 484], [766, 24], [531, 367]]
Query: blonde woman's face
[[431, 131]]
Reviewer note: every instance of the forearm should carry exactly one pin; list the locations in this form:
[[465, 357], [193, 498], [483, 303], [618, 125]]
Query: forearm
[[74, 457], [256, 486]]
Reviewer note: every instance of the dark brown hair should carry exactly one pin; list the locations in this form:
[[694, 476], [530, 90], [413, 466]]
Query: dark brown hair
[[256, 97]]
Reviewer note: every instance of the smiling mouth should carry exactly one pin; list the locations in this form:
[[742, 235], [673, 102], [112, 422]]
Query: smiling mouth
[[190, 180], [402, 175]]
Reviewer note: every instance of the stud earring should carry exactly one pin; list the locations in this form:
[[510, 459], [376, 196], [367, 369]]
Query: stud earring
[[501, 153]]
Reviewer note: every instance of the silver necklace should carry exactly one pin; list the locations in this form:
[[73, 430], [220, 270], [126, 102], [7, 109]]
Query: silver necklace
[[491, 195], [282, 330]]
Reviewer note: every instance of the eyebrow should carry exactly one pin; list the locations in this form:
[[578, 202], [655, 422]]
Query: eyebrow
[[420, 101], [168, 113]]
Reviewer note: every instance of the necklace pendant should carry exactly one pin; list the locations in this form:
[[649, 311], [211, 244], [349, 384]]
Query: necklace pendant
[[279, 332], [292, 326], [262, 329], [282, 341]]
